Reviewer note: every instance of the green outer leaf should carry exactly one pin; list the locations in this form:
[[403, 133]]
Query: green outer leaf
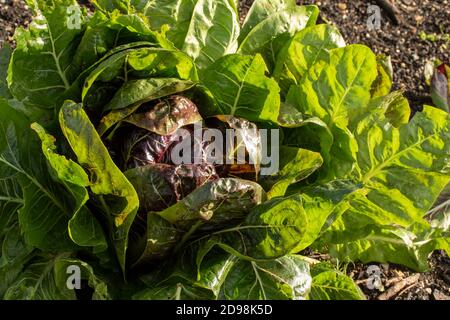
[[127, 6], [241, 89], [281, 279], [156, 243], [46, 206], [37, 72], [11, 201], [333, 92], [173, 289], [37, 282], [394, 106], [5, 56], [260, 11], [383, 83], [279, 23], [322, 204], [106, 70], [305, 49], [271, 230], [285, 225], [212, 33], [76, 89], [162, 63], [205, 29], [84, 229], [403, 169], [175, 14], [15, 254], [213, 270], [106, 179], [295, 165], [87, 273], [331, 284], [145, 90], [361, 240], [45, 278]]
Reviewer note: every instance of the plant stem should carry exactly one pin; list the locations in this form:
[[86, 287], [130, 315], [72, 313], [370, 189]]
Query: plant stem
[[187, 236]]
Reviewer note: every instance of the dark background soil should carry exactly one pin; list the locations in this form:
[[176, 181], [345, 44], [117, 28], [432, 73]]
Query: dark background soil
[[409, 49]]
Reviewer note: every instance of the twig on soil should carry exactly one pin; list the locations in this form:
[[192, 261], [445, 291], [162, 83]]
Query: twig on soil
[[392, 11], [393, 281], [406, 289], [398, 287]]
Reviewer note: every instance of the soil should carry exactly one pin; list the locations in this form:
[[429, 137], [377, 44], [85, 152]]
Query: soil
[[13, 13], [399, 283], [422, 34]]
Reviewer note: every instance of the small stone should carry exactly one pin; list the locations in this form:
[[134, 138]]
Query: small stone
[[403, 65], [428, 290], [439, 295], [399, 273], [418, 18], [342, 6]]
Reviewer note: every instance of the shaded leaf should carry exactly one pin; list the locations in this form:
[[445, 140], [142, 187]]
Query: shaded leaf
[[5, 56], [383, 83], [45, 278], [47, 207], [295, 165], [106, 180], [153, 243], [215, 203], [133, 94], [84, 229]]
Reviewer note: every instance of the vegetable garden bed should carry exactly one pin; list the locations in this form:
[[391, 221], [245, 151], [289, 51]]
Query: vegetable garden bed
[[93, 104]]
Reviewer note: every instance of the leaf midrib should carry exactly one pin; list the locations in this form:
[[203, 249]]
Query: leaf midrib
[[378, 169], [336, 112]]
